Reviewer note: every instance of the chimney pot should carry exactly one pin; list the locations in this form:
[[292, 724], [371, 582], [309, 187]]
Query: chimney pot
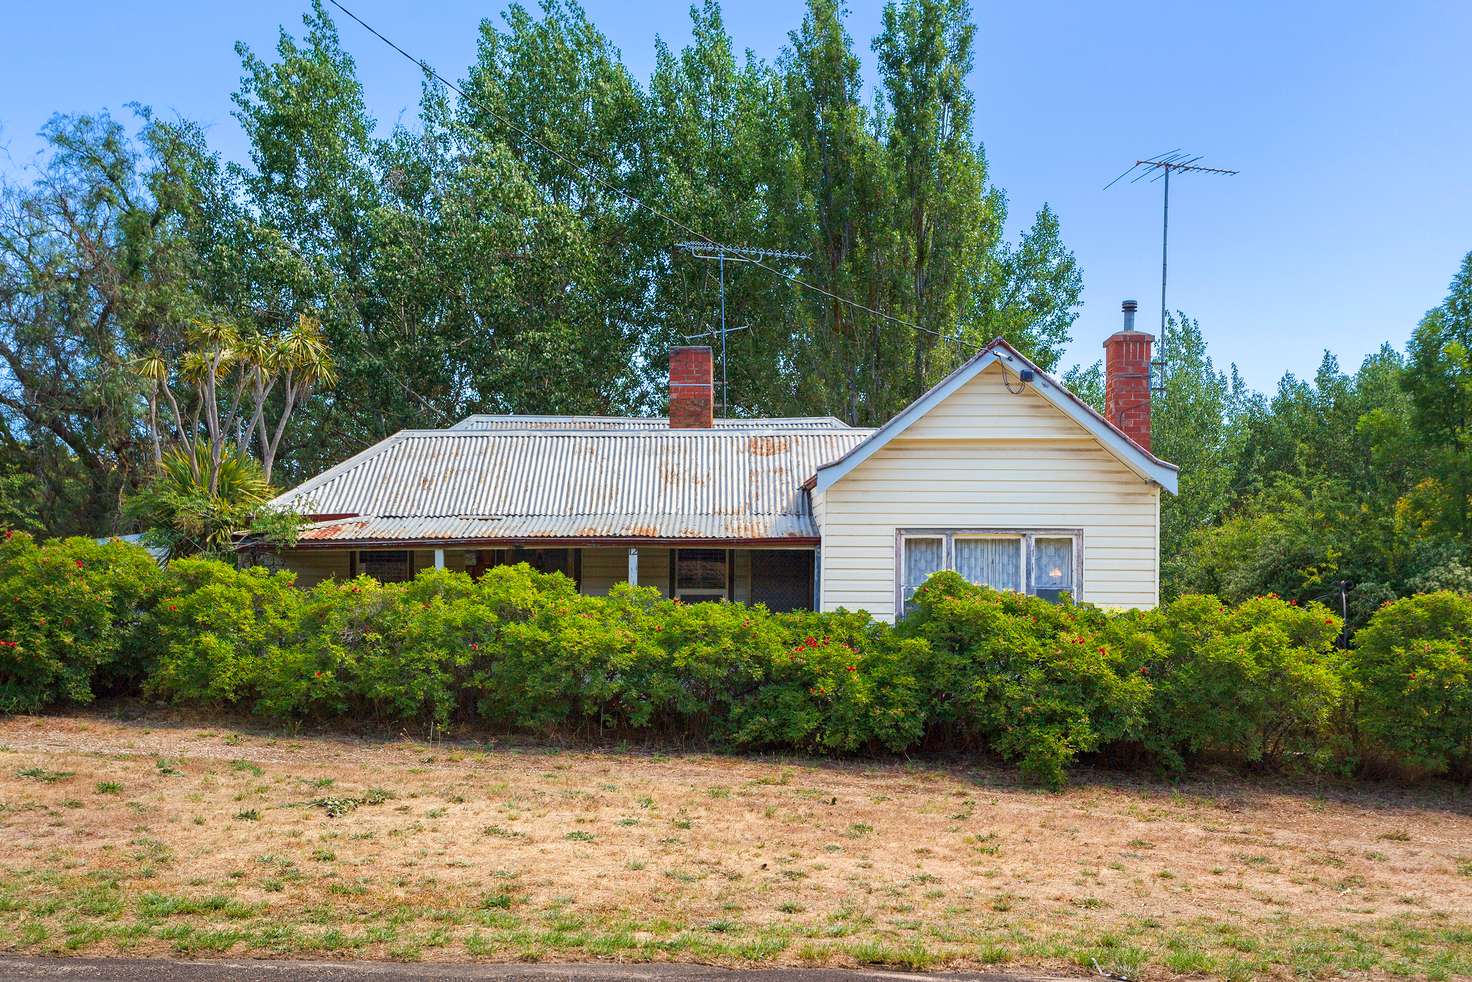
[[692, 389], [1129, 307]]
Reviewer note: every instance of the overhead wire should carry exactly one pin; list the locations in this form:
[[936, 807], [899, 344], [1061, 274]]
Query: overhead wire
[[629, 196]]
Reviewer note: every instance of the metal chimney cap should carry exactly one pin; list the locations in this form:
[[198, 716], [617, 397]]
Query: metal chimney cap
[[1130, 306]]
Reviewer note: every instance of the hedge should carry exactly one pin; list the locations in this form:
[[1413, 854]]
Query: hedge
[[1036, 683]]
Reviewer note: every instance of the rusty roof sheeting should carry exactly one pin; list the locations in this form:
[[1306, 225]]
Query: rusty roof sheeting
[[559, 528], [645, 484], [489, 422]]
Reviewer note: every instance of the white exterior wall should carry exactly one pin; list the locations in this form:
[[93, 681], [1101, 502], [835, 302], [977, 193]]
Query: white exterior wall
[[985, 458]]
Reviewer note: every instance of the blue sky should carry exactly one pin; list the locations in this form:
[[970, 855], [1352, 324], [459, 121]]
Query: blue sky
[[1348, 121]]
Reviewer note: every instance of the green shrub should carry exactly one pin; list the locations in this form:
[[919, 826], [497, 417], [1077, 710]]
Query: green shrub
[[1411, 679], [70, 623], [839, 682], [1036, 682], [1261, 681], [220, 629]]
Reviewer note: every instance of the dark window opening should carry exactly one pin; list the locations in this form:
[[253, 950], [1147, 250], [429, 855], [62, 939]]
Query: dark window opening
[[782, 579], [701, 574], [568, 562], [386, 565]]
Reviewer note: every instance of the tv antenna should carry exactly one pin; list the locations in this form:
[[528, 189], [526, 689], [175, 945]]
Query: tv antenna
[[1159, 168], [721, 252]]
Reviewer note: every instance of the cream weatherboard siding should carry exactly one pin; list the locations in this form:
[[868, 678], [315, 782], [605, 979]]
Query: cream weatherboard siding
[[602, 568], [312, 566], [986, 458]]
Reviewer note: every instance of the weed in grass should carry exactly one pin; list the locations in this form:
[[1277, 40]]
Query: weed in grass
[[858, 830], [246, 767], [43, 775], [1395, 835], [168, 768], [338, 805], [500, 832], [578, 835], [248, 815], [108, 787]]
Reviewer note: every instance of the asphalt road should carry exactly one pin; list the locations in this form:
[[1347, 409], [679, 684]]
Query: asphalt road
[[251, 970]]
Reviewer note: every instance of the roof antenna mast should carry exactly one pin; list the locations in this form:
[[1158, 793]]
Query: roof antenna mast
[[736, 254], [1158, 168]]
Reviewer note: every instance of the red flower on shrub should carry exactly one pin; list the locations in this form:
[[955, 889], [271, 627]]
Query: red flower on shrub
[[1144, 669], [853, 668], [80, 564], [1103, 650], [173, 607], [474, 646], [810, 642]]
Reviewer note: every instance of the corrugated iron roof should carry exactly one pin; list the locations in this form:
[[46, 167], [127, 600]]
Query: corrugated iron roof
[[704, 528], [434, 485], [485, 422]]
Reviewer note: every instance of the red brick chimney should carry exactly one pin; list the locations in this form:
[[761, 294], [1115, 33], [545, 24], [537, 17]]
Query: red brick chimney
[[1127, 378], [692, 391]]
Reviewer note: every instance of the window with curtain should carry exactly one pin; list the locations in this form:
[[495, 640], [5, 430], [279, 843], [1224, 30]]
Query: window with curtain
[[1046, 564], [923, 555], [994, 561], [1052, 567]]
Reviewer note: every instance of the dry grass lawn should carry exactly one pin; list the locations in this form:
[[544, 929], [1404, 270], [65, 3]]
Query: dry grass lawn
[[166, 835]]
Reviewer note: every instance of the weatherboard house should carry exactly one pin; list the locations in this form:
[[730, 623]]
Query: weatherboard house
[[998, 472]]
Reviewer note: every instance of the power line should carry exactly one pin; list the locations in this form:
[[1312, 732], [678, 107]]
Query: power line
[[429, 70]]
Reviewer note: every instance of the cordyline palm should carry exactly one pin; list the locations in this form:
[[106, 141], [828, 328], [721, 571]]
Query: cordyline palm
[[192, 515], [299, 360]]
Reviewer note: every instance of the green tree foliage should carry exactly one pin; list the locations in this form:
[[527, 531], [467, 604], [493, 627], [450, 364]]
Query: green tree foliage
[[1439, 380], [1192, 423], [1356, 478], [485, 254]]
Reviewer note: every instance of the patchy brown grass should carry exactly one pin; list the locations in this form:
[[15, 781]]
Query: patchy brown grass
[[160, 835]]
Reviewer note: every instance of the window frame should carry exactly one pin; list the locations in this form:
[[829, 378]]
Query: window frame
[[948, 538], [362, 560], [700, 594]]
